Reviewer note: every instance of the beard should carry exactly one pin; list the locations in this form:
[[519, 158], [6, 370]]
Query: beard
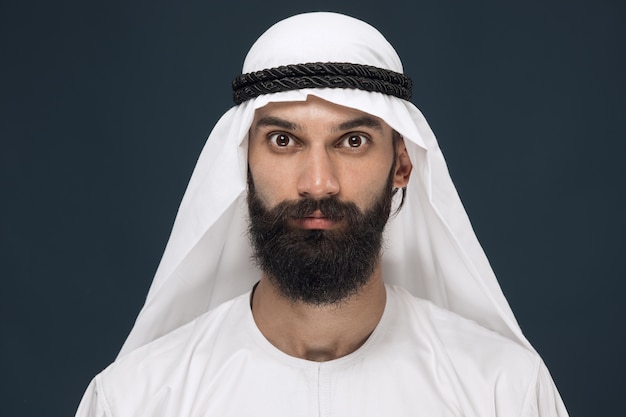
[[318, 267]]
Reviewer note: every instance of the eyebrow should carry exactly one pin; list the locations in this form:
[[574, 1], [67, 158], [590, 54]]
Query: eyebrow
[[363, 121], [276, 122]]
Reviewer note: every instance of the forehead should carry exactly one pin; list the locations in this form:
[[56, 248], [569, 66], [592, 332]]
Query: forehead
[[315, 111]]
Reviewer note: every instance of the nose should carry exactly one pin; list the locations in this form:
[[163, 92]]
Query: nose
[[317, 177]]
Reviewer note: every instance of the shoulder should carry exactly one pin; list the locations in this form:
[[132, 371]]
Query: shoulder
[[454, 331], [485, 364], [160, 368]]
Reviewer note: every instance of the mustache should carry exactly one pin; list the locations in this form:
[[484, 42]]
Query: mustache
[[330, 207]]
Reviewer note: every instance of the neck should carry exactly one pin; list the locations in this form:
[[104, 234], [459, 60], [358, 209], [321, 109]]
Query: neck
[[318, 333]]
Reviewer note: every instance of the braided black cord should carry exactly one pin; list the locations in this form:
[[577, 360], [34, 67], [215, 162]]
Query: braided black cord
[[321, 75]]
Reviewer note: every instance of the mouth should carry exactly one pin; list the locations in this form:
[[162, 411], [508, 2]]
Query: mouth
[[316, 221]]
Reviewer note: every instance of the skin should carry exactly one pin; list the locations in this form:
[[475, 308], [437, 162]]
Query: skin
[[317, 149]]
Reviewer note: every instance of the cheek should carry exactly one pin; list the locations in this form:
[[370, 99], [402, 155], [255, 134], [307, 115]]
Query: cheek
[[270, 183], [258, 172], [367, 185], [375, 191]]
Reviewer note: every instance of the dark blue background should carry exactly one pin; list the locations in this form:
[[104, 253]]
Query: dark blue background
[[106, 105]]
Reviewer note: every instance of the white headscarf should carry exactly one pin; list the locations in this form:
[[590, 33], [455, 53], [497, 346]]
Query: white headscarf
[[431, 249]]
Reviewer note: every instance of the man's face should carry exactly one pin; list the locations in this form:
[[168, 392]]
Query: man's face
[[318, 149], [320, 188]]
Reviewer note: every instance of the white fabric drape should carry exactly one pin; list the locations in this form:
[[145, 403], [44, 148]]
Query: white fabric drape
[[431, 249]]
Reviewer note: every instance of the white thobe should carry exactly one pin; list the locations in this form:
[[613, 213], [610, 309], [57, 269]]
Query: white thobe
[[421, 360]]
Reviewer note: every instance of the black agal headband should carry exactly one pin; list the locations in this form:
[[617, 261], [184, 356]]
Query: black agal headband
[[321, 75]]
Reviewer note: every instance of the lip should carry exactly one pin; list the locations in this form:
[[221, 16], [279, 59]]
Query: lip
[[316, 221]]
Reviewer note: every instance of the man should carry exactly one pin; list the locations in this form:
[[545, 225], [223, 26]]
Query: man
[[350, 216]]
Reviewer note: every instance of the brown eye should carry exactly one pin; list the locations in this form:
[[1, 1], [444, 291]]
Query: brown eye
[[353, 141], [281, 140]]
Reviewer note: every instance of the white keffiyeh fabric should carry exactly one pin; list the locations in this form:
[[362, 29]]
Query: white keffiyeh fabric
[[431, 249]]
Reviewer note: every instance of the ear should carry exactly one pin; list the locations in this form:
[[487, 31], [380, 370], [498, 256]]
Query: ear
[[403, 168]]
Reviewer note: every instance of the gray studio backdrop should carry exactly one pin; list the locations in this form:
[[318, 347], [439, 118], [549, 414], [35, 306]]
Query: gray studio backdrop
[[106, 105]]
